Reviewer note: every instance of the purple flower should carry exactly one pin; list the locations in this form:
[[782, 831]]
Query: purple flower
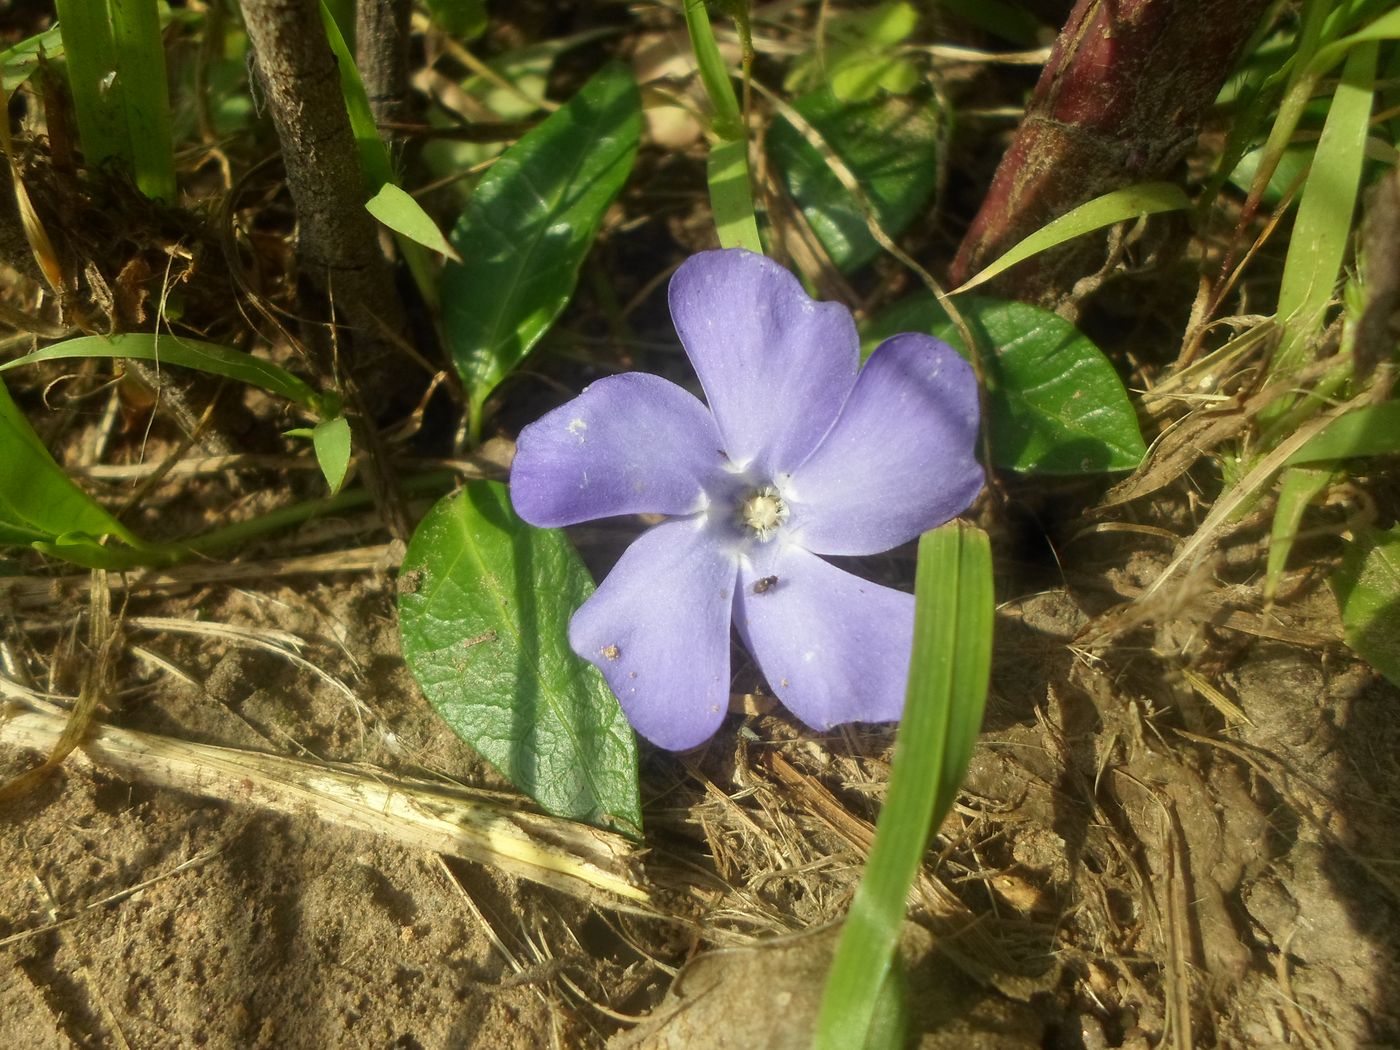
[[797, 456]]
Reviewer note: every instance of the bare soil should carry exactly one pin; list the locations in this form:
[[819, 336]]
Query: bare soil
[[1127, 865]]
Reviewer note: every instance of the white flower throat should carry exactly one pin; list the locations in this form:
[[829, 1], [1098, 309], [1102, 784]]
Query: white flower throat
[[762, 511]]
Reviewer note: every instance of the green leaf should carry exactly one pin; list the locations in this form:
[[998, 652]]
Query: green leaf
[[462, 19], [948, 676], [1297, 488], [526, 230], [1054, 403], [331, 440], [402, 214], [93, 81], [140, 57], [727, 122], [890, 144], [1373, 430], [1131, 202], [484, 607], [1322, 229], [374, 154], [188, 353], [36, 496], [16, 63], [1387, 27], [858, 54], [1367, 585], [731, 196]]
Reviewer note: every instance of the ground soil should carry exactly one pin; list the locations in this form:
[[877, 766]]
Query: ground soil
[[1129, 860]]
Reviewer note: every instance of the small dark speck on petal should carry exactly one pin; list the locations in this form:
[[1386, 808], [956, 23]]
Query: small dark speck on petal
[[611, 652]]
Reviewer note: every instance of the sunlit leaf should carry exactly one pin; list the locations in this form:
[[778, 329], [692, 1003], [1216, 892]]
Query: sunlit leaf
[[948, 679], [36, 496], [187, 353], [484, 607], [1131, 202], [17, 62], [1322, 229], [1297, 488], [397, 210], [331, 440], [1372, 430], [731, 196]]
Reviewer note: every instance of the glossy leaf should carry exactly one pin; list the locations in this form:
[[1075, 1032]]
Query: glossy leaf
[[402, 214], [1054, 403], [528, 226], [948, 676], [1367, 585], [36, 496], [1131, 202], [188, 353], [331, 440], [890, 144], [484, 607]]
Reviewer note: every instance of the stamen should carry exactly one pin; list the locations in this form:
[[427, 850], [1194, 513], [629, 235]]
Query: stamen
[[763, 512]]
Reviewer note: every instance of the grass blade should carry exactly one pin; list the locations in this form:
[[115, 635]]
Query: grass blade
[[1323, 227], [947, 692], [17, 62], [93, 80], [1131, 202], [189, 353], [140, 58]]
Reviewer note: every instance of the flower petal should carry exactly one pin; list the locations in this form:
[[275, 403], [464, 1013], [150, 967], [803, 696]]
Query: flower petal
[[629, 444], [834, 648], [899, 459], [776, 365], [658, 629]]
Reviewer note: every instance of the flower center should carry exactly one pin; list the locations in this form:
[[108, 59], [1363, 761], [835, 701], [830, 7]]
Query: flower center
[[762, 511]]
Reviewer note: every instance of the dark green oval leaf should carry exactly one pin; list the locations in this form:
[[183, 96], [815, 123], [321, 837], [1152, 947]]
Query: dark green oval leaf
[[1367, 585], [528, 226], [1054, 402], [484, 607], [891, 146]]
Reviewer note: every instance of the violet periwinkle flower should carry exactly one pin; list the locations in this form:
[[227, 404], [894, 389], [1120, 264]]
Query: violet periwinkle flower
[[797, 456]]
